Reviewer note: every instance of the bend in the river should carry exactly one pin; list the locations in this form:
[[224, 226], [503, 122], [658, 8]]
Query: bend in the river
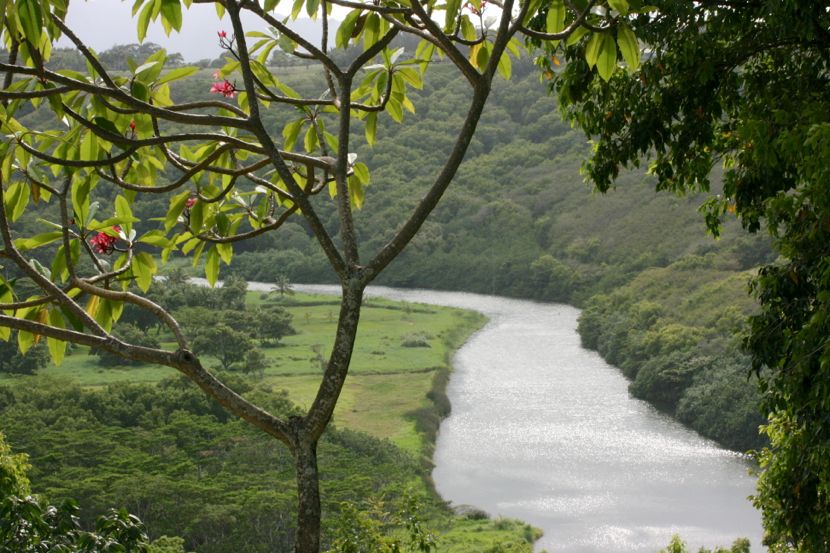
[[545, 431]]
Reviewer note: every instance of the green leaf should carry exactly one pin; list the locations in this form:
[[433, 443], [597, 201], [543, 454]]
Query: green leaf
[[361, 171], [555, 22], [483, 55], [411, 76], [156, 238], [124, 212], [171, 13], [607, 60], [394, 109], [59, 271], [80, 200], [31, 18], [89, 146], [177, 204], [453, 6], [197, 216], [371, 30], [627, 41], [593, 49], [311, 141], [103, 314], [116, 308], [290, 133], [468, 30], [176, 74], [212, 266], [621, 6], [17, 198], [38, 240], [57, 348], [297, 8], [107, 125], [144, 268], [344, 31], [505, 66], [25, 340], [356, 192], [140, 91], [371, 128], [144, 21], [225, 252], [578, 33]]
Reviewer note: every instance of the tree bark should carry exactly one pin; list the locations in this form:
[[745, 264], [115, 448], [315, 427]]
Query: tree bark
[[307, 537]]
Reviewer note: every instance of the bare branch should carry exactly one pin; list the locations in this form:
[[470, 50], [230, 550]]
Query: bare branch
[[118, 94], [565, 33], [376, 8], [250, 234], [140, 301]]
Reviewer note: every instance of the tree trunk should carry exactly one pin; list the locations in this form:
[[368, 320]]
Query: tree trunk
[[307, 537], [306, 431]]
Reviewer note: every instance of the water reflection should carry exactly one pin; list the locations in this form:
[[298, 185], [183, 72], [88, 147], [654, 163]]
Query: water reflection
[[545, 431]]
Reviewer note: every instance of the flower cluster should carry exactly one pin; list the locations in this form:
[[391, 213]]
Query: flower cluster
[[104, 243], [190, 202], [225, 88]]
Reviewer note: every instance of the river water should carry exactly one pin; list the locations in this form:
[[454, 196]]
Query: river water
[[545, 431]]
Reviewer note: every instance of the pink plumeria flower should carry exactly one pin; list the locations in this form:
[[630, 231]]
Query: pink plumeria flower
[[224, 88]]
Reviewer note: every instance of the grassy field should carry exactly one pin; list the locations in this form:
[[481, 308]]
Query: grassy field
[[388, 380]]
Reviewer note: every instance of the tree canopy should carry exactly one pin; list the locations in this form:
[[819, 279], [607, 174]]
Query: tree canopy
[[252, 155], [743, 84]]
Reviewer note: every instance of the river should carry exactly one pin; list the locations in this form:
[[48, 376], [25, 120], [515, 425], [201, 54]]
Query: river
[[545, 431]]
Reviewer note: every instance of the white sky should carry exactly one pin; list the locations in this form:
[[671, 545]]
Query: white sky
[[102, 24]]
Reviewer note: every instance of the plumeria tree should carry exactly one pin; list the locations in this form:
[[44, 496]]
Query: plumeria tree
[[229, 173]]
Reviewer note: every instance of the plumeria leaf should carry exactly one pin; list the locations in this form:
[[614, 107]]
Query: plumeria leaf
[[212, 266], [57, 348]]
